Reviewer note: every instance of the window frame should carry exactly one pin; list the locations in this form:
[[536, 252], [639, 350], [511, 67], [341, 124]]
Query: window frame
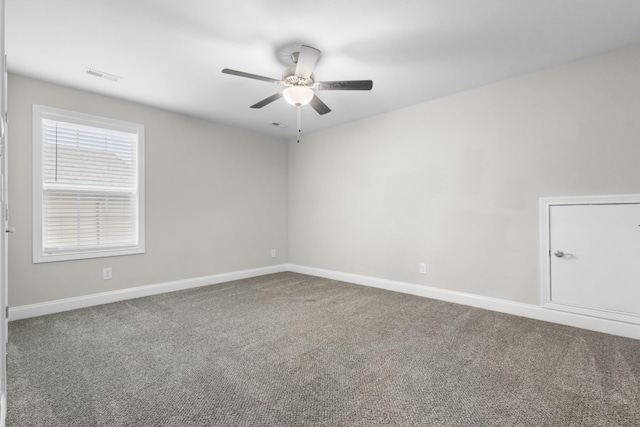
[[40, 113]]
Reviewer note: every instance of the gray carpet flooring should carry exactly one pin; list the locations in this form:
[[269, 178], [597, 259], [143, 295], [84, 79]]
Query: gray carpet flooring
[[294, 350]]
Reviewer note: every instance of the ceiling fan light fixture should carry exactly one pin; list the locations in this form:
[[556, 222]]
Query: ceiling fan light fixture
[[298, 95]]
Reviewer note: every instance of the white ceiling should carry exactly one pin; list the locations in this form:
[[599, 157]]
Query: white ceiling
[[170, 53]]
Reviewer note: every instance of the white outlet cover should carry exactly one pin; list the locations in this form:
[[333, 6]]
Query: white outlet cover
[[423, 268]]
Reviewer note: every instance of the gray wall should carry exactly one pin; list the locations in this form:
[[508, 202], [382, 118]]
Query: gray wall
[[455, 182], [216, 199]]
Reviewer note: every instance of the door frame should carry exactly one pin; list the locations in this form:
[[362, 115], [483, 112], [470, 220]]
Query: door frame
[[545, 253], [4, 264]]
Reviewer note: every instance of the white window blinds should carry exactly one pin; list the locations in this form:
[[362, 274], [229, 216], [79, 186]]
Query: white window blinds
[[90, 189]]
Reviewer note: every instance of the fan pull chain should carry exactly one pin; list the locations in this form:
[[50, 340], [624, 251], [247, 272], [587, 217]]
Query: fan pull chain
[[298, 108]]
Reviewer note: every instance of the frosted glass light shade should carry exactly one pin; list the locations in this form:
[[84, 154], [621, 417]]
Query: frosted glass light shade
[[298, 95]]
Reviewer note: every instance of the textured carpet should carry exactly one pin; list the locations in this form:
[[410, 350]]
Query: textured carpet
[[295, 350]]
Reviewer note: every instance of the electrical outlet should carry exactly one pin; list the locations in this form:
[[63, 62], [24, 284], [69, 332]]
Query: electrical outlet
[[423, 268], [273, 253], [107, 273]]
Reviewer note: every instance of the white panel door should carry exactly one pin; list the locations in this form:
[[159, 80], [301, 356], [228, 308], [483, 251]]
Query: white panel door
[[595, 257]]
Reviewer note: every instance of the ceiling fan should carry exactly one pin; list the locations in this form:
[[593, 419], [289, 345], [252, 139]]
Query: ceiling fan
[[299, 83]]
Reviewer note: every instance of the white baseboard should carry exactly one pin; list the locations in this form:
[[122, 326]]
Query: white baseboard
[[57, 306], [494, 304]]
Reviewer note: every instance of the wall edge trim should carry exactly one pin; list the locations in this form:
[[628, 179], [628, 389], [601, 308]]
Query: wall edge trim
[[530, 311], [84, 301], [3, 413]]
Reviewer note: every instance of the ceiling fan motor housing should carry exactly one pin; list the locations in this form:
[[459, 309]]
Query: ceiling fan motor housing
[[290, 78]]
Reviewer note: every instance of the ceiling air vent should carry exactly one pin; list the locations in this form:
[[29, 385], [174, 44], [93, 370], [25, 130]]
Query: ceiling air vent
[[102, 74]]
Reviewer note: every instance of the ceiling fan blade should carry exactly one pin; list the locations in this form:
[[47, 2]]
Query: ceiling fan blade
[[268, 100], [345, 85], [319, 106], [307, 60], [249, 75]]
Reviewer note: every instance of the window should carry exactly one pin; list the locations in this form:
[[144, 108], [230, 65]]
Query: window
[[88, 186]]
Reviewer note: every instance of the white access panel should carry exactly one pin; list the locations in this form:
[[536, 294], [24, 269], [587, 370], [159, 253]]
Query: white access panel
[[594, 259]]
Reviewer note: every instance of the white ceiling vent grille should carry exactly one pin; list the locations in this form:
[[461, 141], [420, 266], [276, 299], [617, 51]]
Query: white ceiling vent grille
[[102, 74]]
